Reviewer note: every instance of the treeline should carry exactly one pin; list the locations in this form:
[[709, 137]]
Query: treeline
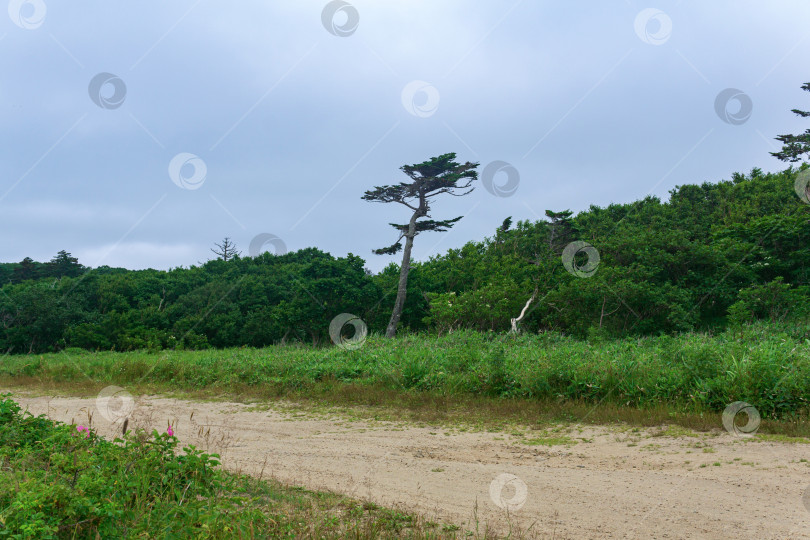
[[62, 265], [251, 301], [713, 255]]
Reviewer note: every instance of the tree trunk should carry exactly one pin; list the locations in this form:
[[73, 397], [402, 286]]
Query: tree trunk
[[314, 336], [602, 316], [402, 288]]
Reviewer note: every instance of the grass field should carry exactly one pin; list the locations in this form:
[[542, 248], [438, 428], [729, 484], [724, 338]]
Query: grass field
[[688, 379], [58, 482]]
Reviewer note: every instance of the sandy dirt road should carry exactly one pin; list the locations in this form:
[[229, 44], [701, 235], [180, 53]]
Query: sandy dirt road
[[602, 482]]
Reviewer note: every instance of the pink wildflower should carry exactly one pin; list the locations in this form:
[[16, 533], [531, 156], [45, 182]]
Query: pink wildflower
[[83, 429], [170, 432]]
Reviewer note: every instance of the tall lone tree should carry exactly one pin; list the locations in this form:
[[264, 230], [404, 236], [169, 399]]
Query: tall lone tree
[[226, 250], [434, 177], [794, 146]]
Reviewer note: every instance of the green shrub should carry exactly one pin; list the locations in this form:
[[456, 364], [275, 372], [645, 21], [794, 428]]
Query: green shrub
[[775, 301], [59, 482]]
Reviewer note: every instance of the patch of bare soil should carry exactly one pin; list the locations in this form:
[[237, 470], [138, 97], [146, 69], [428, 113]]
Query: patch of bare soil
[[567, 482]]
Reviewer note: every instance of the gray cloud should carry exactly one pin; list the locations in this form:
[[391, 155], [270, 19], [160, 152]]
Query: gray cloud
[[294, 123]]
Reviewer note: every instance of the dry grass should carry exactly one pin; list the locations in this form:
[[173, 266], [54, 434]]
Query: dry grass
[[478, 412]]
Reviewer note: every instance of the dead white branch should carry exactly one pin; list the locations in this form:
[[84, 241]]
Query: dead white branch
[[523, 312]]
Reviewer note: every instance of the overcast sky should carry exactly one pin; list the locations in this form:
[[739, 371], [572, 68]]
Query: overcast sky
[[138, 134]]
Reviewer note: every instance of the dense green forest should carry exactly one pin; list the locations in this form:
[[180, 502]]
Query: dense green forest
[[713, 255]]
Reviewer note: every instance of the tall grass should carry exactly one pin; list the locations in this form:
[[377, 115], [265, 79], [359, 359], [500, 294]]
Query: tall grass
[[765, 365]]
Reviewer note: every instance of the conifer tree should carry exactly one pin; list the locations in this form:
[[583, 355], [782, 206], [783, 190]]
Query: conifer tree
[[434, 177], [561, 230], [794, 146]]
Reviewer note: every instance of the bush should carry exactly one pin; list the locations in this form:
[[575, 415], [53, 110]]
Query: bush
[[775, 301], [60, 481]]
